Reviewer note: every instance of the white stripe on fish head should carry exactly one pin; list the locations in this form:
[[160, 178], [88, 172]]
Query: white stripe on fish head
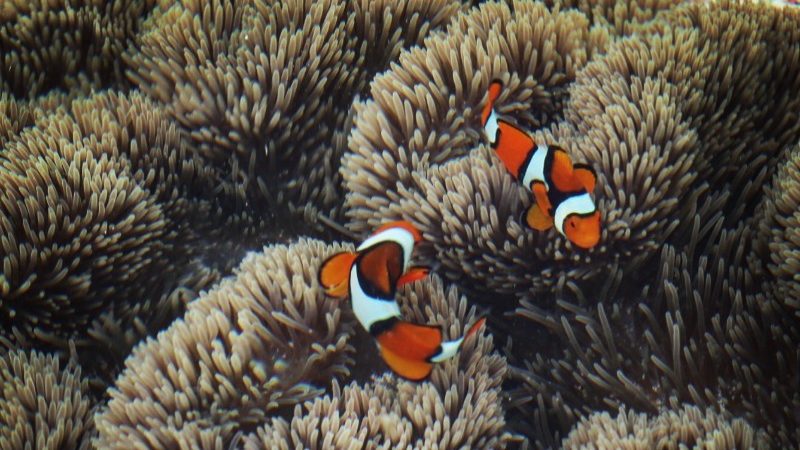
[[581, 204]]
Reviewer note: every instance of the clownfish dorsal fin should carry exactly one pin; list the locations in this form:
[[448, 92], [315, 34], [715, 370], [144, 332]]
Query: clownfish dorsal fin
[[334, 274], [562, 171], [494, 91], [513, 147], [475, 327], [586, 175], [537, 219], [413, 274]]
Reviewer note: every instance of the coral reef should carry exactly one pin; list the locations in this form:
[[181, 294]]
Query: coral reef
[[43, 406]]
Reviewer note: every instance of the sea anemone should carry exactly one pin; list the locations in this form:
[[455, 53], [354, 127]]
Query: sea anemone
[[43, 406], [258, 342], [780, 228], [461, 405], [103, 212], [618, 17], [411, 149], [263, 90], [670, 128], [685, 427], [704, 321], [56, 44]]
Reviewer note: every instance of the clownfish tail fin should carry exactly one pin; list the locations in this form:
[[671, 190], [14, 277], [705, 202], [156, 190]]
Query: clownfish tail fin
[[449, 349], [334, 274]]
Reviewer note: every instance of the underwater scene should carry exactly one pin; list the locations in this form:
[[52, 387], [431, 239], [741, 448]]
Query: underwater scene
[[399, 224]]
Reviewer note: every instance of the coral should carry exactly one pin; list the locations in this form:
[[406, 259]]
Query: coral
[[48, 45], [460, 407], [43, 406], [685, 427], [258, 342], [103, 212], [263, 90]]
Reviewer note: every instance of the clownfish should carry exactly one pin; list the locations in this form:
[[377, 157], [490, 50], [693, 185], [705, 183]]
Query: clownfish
[[561, 189], [371, 276]]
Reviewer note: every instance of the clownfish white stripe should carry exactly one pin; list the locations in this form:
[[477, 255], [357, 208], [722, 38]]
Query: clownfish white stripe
[[396, 234], [492, 128], [369, 310], [534, 170], [448, 350], [577, 204]]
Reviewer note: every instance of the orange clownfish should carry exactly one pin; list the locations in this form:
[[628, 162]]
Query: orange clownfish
[[371, 275], [561, 190]]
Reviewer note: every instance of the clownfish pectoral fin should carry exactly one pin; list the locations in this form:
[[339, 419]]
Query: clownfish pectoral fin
[[413, 274], [586, 175], [412, 369], [540, 196], [537, 219], [334, 274], [494, 92]]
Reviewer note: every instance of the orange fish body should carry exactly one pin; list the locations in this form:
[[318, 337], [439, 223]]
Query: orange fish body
[[371, 276], [561, 190]]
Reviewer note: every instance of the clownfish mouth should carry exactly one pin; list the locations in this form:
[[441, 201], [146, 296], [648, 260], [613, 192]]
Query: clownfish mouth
[[583, 230]]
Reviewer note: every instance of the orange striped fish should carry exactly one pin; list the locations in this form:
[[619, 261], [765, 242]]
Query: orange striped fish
[[370, 276], [561, 190]]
